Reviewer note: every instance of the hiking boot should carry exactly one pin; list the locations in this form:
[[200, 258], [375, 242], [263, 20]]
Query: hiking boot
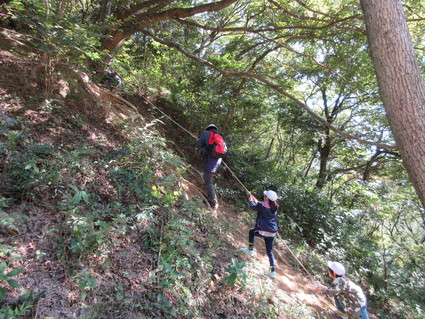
[[271, 274], [248, 251]]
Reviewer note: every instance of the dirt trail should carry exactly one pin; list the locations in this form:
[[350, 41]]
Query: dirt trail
[[291, 286]]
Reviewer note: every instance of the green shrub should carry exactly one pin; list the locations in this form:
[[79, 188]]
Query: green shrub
[[236, 273]]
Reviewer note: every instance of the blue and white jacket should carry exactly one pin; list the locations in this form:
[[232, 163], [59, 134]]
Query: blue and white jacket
[[266, 218]]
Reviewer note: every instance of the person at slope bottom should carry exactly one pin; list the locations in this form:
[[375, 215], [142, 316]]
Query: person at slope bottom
[[265, 226], [210, 163], [349, 297]]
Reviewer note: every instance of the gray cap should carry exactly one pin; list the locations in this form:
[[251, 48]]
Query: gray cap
[[210, 126]]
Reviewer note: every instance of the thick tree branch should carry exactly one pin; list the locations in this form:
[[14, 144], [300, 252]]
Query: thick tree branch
[[137, 9], [275, 87], [268, 39], [136, 22], [309, 9], [298, 16], [329, 25]]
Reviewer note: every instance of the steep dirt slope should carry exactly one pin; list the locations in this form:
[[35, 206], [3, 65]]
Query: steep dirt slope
[[22, 72], [292, 285]]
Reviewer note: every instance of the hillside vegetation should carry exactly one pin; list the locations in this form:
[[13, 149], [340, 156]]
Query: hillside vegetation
[[101, 219], [103, 210]]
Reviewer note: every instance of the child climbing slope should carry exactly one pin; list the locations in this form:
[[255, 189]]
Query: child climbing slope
[[265, 226], [349, 297]]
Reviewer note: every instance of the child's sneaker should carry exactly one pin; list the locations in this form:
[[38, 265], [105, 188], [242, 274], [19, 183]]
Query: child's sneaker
[[248, 251], [271, 274]]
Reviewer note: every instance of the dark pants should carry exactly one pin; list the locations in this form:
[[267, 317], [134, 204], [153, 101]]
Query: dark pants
[[269, 245], [208, 179]]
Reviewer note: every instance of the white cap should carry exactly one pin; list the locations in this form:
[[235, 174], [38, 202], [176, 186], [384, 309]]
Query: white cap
[[271, 195], [211, 126], [337, 268]]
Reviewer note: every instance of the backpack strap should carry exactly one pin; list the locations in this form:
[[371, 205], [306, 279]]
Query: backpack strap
[[211, 138]]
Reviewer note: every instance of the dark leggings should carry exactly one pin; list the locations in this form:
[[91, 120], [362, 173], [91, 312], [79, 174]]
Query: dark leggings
[[208, 179], [269, 245]]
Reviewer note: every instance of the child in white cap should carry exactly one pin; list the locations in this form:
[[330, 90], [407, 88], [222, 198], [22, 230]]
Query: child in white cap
[[349, 297], [265, 226]]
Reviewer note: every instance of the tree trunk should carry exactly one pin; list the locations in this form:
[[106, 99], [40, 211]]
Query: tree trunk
[[324, 152], [105, 10], [401, 85], [369, 165]]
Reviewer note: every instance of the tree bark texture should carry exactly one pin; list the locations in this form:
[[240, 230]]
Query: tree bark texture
[[400, 83], [105, 10]]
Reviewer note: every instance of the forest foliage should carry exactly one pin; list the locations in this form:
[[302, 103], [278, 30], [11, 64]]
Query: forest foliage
[[291, 86]]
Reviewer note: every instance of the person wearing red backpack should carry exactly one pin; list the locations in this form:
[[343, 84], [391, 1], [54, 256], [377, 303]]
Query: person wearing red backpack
[[211, 163]]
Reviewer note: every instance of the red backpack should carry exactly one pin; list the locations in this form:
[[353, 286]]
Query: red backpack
[[216, 145]]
